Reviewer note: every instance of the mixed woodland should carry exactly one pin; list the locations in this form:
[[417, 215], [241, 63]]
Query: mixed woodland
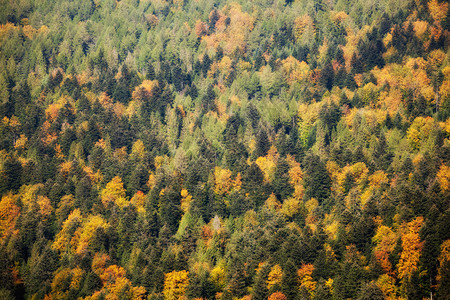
[[224, 149]]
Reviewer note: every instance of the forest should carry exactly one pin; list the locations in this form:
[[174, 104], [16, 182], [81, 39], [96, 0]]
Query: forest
[[224, 149]]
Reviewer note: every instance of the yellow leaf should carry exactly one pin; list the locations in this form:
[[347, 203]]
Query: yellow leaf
[[411, 248], [443, 177], [438, 11], [222, 181], [275, 276], [114, 192], [9, 212], [175, 284], [305, 278]]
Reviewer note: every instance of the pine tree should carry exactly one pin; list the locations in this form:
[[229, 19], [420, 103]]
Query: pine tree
[[317, 181], [262, 143], [206, 64], [289, 282], [260, 291], [370, 291]]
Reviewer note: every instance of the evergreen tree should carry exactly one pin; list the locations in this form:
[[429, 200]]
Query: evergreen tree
[[281, 183], [262, 143], [370, 291], [206, 64], [289, 282], [317, 181], [260, 291]]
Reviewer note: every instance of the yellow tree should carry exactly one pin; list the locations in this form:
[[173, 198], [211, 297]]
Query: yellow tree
[[222, 180], [9, 212], [63, 238], [305, 278], [138, 150], [45, 207], [411, 248], [186, 200], [114, 192], [387, 286], [444, 259], [86, 233], [175, 284], [277, 296], [59, 284], [275, 276], [138, 200], [443, 177], [218, 277], [295, 71], [268, 163], [376, 180], [115, 283], [64, 281], [151, 183], [272, 203], [200, 28], [438, 10], [385, 240], [296, 177], [304, 28], [144, 91], [100, 263], [292, 205], [419, 131]]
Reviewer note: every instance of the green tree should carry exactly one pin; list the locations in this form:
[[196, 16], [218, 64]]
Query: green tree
[[370, 291], [289, 281], [317, 181], [259, 290]]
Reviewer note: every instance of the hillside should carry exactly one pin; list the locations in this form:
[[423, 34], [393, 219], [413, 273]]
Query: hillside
[[224, 149]]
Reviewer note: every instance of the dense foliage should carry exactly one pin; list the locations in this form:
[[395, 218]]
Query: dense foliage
[[224, 149]]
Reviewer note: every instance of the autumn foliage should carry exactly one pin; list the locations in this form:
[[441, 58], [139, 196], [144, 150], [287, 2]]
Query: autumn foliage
[[199, 149], [175, 284]]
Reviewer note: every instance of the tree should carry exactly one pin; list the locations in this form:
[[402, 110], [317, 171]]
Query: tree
[[327, 76], [262, 143], [437, 10], [317, 181], [114, 192], [5, 105], [282, 180], [9, 212], [200, 286], [289, 282], [223, 181], [170, 208], [385, 240], [260, 290], [277, 296], [370, 291], [237, 279], [87, 237], [206, 64], [274, 278], [208, 99], [411, 248], [444, 178], [92, 283], [84, 193], [70, 225], [12, 174], [6, 275], [253, 183], [175, 284], [41, 265], [444, 269], [305, 279]]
